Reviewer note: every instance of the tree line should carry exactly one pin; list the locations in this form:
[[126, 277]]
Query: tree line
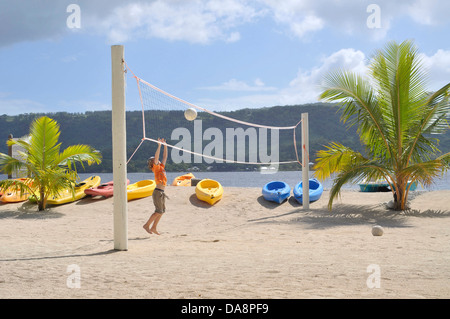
[[94, 128]]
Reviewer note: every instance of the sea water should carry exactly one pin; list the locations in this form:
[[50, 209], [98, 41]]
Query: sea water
[[257, 179], [254, 179]]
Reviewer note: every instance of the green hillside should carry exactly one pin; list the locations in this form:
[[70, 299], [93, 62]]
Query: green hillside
[[94, 128]]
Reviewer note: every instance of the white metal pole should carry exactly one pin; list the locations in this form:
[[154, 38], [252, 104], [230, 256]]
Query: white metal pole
[[119, 148], [305, 160]]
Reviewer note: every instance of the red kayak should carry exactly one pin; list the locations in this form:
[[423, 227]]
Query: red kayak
[[105, 190]]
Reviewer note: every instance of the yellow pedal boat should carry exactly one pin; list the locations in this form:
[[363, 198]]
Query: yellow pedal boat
[[183, 180], [66, 195], [209, 190], [140, 189], [11, 195]]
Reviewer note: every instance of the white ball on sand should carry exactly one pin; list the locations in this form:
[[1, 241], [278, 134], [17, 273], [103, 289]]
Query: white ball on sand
[[190, 114], [377, 230]]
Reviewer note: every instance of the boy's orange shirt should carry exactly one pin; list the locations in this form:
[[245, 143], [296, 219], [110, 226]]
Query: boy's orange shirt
[[160, 174]]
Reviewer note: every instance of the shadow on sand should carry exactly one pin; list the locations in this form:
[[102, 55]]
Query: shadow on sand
[[342, 214]]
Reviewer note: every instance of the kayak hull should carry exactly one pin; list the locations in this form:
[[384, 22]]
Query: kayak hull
[[105, 190], [183, 180], [11, 195], [209, 191], [315, 191], [276, 191], [66, 195], [140, 189]]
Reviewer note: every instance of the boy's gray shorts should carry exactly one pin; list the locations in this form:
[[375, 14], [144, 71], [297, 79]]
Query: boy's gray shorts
[[159, 201]]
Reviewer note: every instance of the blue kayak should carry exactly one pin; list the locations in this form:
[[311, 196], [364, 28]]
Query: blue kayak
[[315, 191], [276, 191]]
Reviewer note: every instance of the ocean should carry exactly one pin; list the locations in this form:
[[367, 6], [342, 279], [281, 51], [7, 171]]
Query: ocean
[[257, 179], [254, 179]]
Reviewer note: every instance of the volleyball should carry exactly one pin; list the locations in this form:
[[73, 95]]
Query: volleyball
[[190, 114], [377, 230]]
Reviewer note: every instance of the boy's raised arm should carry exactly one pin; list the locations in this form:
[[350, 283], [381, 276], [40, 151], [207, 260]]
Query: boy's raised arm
[[157, 151], [165, 153]]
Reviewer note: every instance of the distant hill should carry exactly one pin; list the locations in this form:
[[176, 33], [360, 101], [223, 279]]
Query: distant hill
[[94, 128]]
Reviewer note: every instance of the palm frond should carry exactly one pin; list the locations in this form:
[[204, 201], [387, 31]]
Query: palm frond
[[358, 171], [359, 106], [436, 112], [335, 158], [44, 144], [11, 165], [17, 185], [78, 154], [426, 171]]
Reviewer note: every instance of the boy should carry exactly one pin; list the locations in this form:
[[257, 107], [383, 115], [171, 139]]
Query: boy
[[158, 196]]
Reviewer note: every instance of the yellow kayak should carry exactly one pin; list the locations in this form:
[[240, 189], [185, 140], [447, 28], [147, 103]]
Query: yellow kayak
[[209, 191], [140, 189], [12, 196], [183, 180], [66, 195]]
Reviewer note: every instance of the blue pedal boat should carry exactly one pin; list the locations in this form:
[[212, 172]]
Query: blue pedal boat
[[315, 191], [276, 191]]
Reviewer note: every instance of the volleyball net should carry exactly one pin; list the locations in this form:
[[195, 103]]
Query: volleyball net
[[215, 137]]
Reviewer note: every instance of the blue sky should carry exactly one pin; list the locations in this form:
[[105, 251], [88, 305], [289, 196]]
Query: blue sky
[[222, 55]]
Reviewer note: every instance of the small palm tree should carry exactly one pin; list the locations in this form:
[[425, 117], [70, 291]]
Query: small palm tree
[[395, 117], [50, 171]]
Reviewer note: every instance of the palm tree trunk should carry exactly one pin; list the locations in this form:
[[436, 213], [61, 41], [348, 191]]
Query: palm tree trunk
[[399, 195], [42, 200]]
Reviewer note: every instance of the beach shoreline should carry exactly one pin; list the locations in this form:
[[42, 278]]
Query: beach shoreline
[[242, 247]]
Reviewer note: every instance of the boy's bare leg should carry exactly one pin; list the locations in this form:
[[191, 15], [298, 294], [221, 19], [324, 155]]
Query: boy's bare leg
[[155, 223], [149, 222], [155, 220]]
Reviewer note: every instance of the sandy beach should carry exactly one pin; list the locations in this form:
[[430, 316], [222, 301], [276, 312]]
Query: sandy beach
[[242, 247]]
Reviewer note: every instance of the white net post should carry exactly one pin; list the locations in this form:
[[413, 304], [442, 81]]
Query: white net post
[[119, 148], [305, 160]]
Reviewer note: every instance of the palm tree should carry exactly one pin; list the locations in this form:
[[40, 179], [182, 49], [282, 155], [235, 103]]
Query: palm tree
[[50, 171], [395, 117]]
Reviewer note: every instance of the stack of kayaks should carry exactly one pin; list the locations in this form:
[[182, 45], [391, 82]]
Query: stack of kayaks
[[276, 191], [413, 186], [66, 196], [374, 186], [209, 191], [315, 191], [140, 189], [382, 186], [183, 180], [105, 189], [12, 195]]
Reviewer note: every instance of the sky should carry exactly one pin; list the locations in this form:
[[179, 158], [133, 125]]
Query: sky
[[55, 55]]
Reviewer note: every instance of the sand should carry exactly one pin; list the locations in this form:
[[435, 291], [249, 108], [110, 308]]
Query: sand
[[242, 247]]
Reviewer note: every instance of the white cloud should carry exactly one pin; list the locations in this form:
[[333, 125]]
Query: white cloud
[[429, 12], [204, 21], [305, 87], [438, 66], [303, 17], [193, 21]]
